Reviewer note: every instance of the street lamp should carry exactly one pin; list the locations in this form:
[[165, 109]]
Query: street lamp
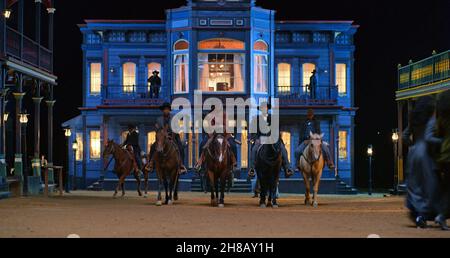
[[5, 117], [23, 119], [370, 153], [75, 149], [7, 13], [68, 134], [395, 139]]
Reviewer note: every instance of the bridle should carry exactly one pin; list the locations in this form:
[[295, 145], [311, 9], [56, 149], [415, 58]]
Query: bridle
[[307, 152]]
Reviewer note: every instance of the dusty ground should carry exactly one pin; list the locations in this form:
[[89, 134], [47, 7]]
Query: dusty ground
[[91, 214]]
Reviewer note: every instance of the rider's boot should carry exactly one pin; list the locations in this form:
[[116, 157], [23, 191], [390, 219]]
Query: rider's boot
[[251, 172], [183, 169], [199, 164], [288, 171]]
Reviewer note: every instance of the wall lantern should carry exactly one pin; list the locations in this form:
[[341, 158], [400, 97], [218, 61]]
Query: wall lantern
[[7, 13]]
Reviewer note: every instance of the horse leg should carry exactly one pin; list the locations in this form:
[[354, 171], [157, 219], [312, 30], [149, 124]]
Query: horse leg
[[316, 191], [123, 187], [172, 186], [263, 193], [274, 194], [160, 186], [166, 187], [117, 189], [146, 184], [223, 185], [307, 189], [138, 181], [175, 193], [213, 188]]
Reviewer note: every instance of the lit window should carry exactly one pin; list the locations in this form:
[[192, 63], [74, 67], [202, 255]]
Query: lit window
[[341, 78], [80, 150], [343, 148], [181, 73], [154, 67], [261, 74], [95, 145], [129, 77], [181, 45], [286, 137], [261, 46], [151, 139], [95, 78], [284, 77], [308, 69], [244, 149], [221, 72], [229, 44]]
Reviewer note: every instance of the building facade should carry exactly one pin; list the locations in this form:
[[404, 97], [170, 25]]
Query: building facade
[[226, 49]]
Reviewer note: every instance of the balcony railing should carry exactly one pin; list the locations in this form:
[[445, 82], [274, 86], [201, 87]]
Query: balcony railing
[[300, 95], [31, 53], [132, 95], [428, 71]]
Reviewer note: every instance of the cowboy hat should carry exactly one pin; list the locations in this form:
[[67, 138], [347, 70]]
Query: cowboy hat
[[155, 72], [166, 105]]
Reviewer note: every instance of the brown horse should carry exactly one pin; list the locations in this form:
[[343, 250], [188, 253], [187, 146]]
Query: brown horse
[[124, 165], [167, 162], [218, 166], [311, 165]]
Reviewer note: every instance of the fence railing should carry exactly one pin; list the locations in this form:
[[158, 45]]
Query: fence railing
[[28, 51], [132, 94], [427, 71], [324, 95]]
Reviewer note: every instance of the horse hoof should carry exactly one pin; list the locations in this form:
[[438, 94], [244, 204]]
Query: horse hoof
[[170, 203], [269, 205], [262, 206], [221, 205], [307, 202], [213, 203], [145, 196], [316, 205], [275, 206], [159, 203], [175, 198]]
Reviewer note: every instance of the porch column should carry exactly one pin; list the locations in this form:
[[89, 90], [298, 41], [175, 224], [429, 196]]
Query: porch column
[[18, 95], [3, 93], [37, 100], [50, 105], [400, 142]]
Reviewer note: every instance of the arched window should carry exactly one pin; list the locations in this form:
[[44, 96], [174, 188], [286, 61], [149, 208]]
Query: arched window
[[261, 46], [129, 77], [221, 43], [261, 67], [307, 69], [181, 45], [284, 77]]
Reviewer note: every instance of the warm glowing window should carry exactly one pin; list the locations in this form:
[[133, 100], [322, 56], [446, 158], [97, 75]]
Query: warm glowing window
[[151, 138], [341, 78], [229, 44], [154, 67], [261, 46], [307, 69], [284, 77], [181, 45], [286, 137], [261, 74], [129, 77], [221, 72], [95, 78], [80, 150], [343, 147], [181, 73], [94, 145], [244, 149]]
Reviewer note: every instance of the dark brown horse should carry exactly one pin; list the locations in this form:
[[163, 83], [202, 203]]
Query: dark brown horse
[[167, 162], [218, 166], [123, 167]]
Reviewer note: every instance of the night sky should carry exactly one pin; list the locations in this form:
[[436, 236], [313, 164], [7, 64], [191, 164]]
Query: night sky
[[391, 32]]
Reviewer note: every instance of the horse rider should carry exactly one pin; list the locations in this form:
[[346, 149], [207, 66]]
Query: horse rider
[[206, 141], [131, 143], [164, 122], [155, 84], [255, 139], [312, 125]]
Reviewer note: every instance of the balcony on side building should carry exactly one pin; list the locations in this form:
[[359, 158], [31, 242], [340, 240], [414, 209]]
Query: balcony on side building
[[301, 96], [26, 50], [133, 95]]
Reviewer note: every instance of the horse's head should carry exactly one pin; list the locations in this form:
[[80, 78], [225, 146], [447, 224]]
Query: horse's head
[[219, 147], [109, 149], [315, 145], [161, 136]]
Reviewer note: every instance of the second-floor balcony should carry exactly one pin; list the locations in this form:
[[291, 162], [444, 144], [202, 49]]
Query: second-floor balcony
[[24, 49], [302, 96], [133, 95]]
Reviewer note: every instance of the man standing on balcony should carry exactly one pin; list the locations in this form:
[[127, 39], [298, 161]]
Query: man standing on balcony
[[312, 125], [155, 84], [313, 82]]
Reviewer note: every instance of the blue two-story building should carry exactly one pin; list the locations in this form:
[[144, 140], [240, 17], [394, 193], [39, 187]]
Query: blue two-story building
[[224, 48]]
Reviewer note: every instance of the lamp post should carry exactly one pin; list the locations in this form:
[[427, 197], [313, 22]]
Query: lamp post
[[370, 155], [395, 139], [23, 119], [75, 149], [7, 13], [68, 134]]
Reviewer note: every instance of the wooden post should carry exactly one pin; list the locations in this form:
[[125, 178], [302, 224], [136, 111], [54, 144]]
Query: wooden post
[[46, 182]]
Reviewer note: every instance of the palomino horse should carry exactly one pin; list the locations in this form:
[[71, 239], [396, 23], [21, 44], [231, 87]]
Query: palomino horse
[[218, 166], [268, 165], [124, 165], [311, 165], [167, 162]]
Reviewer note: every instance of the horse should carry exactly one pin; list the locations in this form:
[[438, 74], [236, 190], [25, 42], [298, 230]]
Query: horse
[[167, 162], [268, 166], [124, 165], [311, 165], [218, 166]]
